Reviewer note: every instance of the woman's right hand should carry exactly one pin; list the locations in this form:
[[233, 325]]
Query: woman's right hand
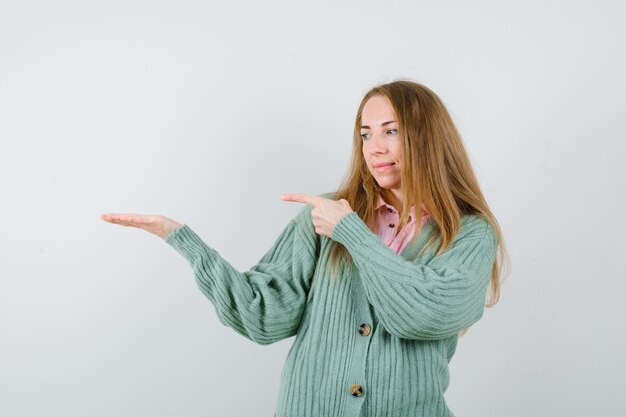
[[153, 223]]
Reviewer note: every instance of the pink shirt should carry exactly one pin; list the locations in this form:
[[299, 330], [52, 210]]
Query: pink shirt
[[388, 217]]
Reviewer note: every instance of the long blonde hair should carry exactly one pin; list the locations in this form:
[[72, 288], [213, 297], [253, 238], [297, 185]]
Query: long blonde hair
[[436, 172]]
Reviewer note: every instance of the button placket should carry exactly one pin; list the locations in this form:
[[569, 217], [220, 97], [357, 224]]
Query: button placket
[[357, 379]]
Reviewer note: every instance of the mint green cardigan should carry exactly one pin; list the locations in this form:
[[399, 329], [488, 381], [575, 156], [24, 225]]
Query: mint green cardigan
[[375, 342]]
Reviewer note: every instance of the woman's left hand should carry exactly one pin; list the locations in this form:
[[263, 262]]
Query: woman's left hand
[[325, 214]]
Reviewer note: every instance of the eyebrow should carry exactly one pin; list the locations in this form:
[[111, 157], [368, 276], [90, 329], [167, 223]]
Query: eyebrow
[[382, 124]]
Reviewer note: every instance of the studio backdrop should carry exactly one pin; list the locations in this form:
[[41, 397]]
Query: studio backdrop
[[206, 112]]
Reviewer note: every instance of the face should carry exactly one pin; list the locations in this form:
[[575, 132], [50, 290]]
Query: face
[[382, 146]]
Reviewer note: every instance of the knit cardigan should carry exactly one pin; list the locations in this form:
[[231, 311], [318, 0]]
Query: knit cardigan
[[412, 311]]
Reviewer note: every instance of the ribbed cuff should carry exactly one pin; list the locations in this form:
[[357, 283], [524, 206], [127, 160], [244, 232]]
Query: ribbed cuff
[[186, 242], [351, 231]]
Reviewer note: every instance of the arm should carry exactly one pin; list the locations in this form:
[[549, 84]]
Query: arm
[[423, 301], [266, 303]]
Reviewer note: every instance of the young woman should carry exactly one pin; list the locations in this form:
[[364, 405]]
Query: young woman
[[376, 291]]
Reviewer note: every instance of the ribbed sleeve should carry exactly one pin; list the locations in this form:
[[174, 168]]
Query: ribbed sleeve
[[266, 303], [423, 301]]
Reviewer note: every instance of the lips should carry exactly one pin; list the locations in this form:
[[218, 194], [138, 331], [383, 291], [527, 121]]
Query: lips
[[383, 166]]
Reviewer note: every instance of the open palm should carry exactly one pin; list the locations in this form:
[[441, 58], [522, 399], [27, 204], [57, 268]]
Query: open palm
[[153, 223]]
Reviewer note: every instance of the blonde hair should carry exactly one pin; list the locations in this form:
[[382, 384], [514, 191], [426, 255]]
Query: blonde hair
[[436, 172]]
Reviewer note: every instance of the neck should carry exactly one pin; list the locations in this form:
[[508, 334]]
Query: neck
[[390, 198]]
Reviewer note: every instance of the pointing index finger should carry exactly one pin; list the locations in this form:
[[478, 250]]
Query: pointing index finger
[[301, 198]]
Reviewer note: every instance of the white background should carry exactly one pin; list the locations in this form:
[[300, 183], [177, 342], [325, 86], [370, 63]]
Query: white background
[[207, 111]]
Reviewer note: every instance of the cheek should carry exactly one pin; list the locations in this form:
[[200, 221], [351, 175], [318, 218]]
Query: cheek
[[397, 152]]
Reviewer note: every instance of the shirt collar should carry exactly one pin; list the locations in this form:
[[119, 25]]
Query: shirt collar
[[381, 204]]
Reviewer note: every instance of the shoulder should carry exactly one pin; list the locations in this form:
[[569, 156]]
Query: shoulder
[[476, 226], [303, 218]]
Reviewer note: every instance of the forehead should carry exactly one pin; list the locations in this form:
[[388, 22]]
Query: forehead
[[376, 109]]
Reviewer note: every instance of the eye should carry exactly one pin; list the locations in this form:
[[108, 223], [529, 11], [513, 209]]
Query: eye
[[365, 136], [392, 132]]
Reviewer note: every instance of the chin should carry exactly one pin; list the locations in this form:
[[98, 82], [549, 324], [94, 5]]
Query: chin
[[387, 185]]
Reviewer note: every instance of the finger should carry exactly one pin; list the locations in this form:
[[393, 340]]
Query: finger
[[127, 219], [303, 198], [298, 198], [110, 217]]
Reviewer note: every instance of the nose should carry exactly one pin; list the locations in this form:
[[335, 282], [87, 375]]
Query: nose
[[377, 144]]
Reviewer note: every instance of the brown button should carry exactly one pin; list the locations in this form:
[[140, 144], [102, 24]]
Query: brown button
[[392, 225], [365, 329], [356, 390]]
